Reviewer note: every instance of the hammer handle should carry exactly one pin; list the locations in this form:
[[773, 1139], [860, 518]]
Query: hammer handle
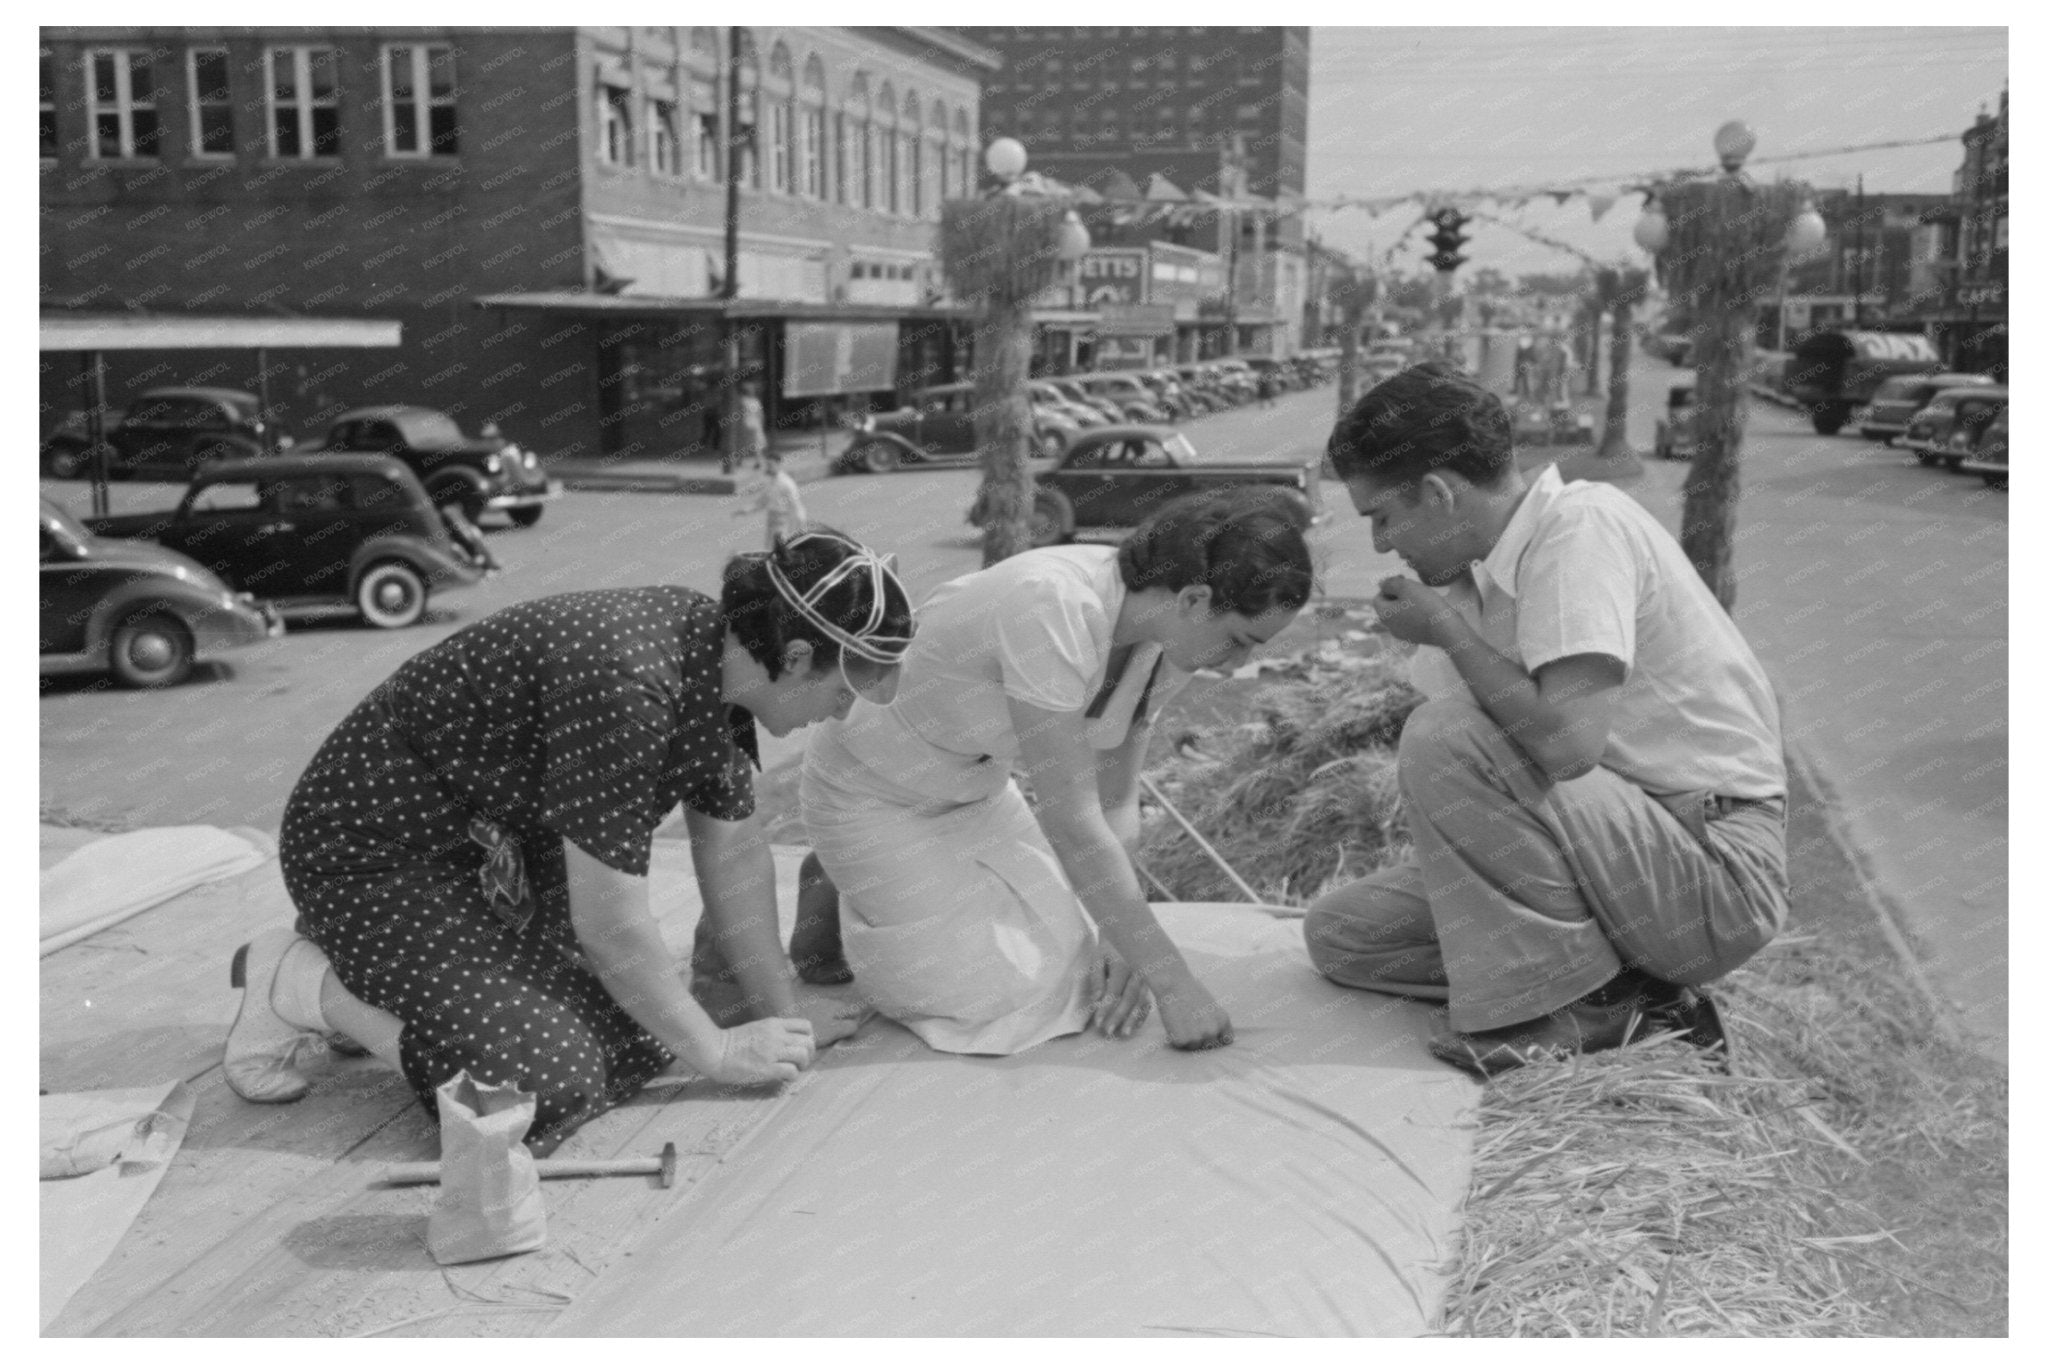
[[429, 1171]]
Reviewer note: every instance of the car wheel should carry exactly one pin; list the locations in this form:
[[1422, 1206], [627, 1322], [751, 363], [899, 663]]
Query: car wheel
[[1951, 462], [1828, 420], [66, 461], [525, 516], [1052, 518], [875, 456], [1994, 481], [1927, 461], [391, 595], [150, 650]]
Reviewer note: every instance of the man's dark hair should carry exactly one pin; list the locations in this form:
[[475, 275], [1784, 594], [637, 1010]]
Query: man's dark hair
[[1426, 419]]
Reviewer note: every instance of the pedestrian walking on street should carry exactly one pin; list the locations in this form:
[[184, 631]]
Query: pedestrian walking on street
[[753, 429], [1595, 780], [469, 849], [1269, 388], [775, 493]]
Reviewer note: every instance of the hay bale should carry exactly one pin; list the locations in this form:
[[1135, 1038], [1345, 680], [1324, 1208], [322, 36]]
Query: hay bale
[[1300, 798]]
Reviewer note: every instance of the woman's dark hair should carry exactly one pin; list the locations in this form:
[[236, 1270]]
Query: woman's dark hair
[[1248, 546], [1425, 419], [766, 623]]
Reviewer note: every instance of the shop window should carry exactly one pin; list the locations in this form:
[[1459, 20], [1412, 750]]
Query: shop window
[[213, 101], [419, 99], [122, 103]]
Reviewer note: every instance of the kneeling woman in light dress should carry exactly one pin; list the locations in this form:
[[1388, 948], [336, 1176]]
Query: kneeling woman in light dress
[[964, 913]]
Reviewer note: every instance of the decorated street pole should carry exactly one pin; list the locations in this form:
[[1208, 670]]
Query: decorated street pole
[[1002, 249], [1719, 244], [1617, 290]]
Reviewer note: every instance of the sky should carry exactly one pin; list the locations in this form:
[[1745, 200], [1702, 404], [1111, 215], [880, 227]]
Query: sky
[[1393, 110]]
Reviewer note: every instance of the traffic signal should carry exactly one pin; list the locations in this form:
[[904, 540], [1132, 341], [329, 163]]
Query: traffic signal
[[1449, 236]]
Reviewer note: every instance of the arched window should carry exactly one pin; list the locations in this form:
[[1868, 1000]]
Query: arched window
[[911, 163], [942, 149], [747, 136], [885, 145], [811, 161], [780, 134], [861, 143], [963, 147], [705, 61]]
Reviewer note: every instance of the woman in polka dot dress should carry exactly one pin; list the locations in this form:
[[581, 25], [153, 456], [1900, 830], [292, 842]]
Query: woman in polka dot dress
[[468, 850]]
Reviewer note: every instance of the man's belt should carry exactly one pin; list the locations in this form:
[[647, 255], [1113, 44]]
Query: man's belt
[[1720, 807]]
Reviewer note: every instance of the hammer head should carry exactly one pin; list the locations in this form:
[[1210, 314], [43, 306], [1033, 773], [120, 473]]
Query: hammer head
[[668, 1165]]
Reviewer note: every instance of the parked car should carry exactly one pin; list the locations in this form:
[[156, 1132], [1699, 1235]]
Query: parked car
[[936, 428], [1119, 475], [137, 610], [1675, 439], [1202, 384], [316, 530], [1952, 423], [1280, 371], [1166, 388], [1988, 460], [1110, 411], [166, 433], [1133, 400], [1897, 399], [1047, 397], [476, 473], [1832, 373]]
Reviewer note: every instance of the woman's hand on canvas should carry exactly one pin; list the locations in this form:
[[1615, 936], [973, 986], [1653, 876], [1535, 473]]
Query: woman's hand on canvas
[[1194, 1020], [1122, 1003]]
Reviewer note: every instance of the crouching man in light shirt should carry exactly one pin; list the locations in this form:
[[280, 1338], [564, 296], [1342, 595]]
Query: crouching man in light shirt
[[1595, 781]]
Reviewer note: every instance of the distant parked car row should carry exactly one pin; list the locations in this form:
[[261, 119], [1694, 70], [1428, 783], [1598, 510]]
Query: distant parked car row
[[176, 432], [936, 426]]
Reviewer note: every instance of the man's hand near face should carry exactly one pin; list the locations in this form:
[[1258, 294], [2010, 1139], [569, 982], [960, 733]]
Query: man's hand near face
[[1412, 611]]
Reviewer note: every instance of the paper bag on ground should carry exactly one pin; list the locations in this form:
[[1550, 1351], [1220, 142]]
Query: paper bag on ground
[[490, 1193]]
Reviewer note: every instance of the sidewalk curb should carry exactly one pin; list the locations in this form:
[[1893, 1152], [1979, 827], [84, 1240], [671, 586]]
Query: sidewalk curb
[[1891, 919], [663, 476]]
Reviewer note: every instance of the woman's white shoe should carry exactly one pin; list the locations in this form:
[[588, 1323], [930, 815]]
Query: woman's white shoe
[[262, 1044]]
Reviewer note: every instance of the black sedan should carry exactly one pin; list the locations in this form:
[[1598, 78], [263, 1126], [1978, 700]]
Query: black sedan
[[138, 610], [476, 473], [1117, 476], [318, 530], [165, 433]]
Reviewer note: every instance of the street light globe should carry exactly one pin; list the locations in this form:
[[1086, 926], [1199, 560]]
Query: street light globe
[[1074, 240], [1005, 158], [1807, 231], [1733, 142], [1653, 229]]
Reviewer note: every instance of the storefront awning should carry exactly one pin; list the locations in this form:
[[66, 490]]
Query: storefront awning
[[576, 302], [143, 331]]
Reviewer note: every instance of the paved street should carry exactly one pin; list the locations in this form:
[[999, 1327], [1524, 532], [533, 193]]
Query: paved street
[[1875, 591]]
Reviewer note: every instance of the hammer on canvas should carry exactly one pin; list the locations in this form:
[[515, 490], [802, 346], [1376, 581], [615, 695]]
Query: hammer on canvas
[[429, 1171]]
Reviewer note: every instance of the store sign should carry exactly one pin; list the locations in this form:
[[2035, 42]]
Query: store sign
[[822, 358], [1979, 295], [1135, 319], [1111, 277]]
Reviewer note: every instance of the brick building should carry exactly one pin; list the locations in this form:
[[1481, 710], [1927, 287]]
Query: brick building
[[1966, 249], [541, 208], [1217, 111]]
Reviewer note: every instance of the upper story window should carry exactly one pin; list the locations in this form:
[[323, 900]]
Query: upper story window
[[615, 125], [419, 99], [213, 101], [666, 154], [122, 101], [49, 109], [704, 113], [305, 102]]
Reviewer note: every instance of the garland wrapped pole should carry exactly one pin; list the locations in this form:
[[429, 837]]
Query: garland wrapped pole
[[1719, 245], [1616, 292], [1002, 250]]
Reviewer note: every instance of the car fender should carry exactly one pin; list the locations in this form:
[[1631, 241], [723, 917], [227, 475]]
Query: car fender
[[188, 603], [908, 448], [449, 472], [440, 567]]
